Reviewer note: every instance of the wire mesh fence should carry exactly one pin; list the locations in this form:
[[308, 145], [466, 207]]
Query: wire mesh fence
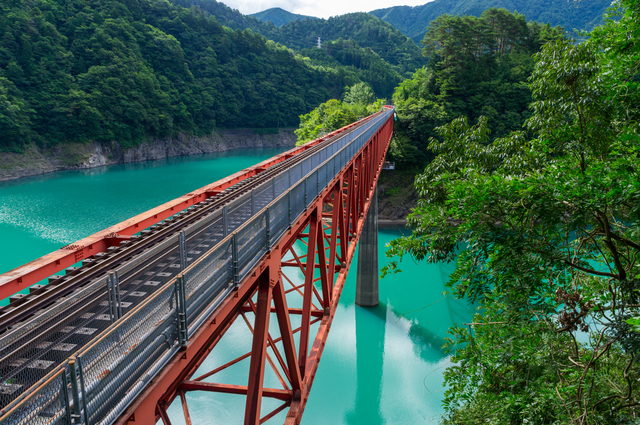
[[210, 256]]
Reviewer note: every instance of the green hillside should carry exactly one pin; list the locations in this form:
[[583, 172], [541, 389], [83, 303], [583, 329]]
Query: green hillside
[[570, 14], [279, 16], [231, 18], [366, 30], [104, 70], [355, 64]]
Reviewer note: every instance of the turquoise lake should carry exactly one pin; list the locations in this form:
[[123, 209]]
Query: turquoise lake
[[381, 365]]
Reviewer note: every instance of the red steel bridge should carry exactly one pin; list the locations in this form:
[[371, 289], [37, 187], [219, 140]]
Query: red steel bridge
[[125, 331]]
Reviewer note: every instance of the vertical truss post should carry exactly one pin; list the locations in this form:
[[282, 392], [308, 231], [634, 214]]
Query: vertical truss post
[[347, 203], [344, 231], [353, 208], [286, 333], [258, 351], [322, 263], [308, 291], [333, 240]]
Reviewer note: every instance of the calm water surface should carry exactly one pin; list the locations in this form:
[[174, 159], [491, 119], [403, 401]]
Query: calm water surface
[[381, 365]]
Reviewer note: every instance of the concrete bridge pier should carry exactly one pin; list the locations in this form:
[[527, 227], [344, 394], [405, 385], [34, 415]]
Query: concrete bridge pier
[[367, 276]]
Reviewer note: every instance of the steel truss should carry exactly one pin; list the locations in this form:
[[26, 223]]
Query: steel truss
[[320, 245]]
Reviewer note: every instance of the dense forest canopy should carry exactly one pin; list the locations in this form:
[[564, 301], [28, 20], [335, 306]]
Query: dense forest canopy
[[478, 67], [84, 70], [543, 224], [571, 14], [357, 64], [364, 29]]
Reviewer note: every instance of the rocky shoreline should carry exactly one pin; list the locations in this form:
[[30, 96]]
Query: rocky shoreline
[[35, 161]]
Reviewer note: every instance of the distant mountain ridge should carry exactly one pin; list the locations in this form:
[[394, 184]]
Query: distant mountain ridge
[[366, 30], [279, 16], [570, 14]]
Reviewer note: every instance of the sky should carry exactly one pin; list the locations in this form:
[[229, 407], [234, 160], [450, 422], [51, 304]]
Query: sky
[[319, 8]]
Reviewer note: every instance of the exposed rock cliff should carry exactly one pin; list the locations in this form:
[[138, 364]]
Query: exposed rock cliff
[[36, 161]]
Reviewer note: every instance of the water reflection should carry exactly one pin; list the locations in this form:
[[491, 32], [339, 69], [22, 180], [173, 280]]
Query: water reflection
[[369, 366]]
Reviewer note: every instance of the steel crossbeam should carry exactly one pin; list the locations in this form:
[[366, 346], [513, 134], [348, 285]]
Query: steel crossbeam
[[320, 245]]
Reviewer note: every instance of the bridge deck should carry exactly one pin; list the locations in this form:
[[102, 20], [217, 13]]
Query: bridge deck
[[163, 282]]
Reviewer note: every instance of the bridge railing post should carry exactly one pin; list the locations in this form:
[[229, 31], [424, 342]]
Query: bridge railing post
[[65, 395], [234, 259], [268, 227], [253, 203], [181, 311], [75, 392], [182, 249], [289, 206], [225, 225], [113, 292]]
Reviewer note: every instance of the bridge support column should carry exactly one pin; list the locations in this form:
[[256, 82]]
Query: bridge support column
[[367, 277]]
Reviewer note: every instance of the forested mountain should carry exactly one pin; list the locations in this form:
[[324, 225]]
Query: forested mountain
[[279, 16], [570, 14], [231, 18], [366, 30], [83, 70], [355, 64], [478, 67]]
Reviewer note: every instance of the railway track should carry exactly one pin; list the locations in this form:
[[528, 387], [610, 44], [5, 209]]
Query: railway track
[[43, 329]]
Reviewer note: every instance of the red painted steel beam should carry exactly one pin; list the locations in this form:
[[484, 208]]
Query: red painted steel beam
[[35, 271], [258, 351], [168, 384], [234, 389]]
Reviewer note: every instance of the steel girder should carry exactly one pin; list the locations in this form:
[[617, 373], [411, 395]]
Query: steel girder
[[320, 245]]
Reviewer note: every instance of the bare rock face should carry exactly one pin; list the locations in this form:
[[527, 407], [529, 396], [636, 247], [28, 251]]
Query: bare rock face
[[35, 161]]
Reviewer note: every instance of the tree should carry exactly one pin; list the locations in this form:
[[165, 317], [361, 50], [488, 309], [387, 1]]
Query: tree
[[544, 233], [360, 93]]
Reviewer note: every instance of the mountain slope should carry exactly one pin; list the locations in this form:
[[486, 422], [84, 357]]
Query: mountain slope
[[279, 16], [570, 14], [231, 18], [100, 70], [366, 30]]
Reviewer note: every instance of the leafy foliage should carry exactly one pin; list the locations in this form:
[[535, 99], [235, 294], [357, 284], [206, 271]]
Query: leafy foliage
[[356, 64], [83, 70], [478, 67], [413, 21], [544, 232], [334, 114], [365, 30]]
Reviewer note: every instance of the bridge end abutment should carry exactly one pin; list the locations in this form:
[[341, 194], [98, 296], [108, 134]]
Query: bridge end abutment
[[367, 275]]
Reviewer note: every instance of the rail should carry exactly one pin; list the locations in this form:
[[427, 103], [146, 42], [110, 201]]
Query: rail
[[95, 385]]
